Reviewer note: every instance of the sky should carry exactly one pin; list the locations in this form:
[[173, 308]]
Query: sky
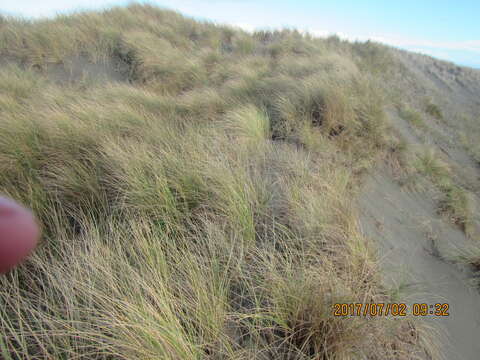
[[446, 29]]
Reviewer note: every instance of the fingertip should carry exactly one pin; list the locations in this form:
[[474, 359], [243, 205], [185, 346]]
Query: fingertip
[[19, 233]]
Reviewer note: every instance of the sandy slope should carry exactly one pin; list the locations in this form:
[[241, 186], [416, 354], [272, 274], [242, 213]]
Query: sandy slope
[[412, 239], [457, 91], [406, 228]]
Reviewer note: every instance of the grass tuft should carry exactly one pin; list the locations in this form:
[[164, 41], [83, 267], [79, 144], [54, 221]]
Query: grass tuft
[[455, 202], [433, 110], [413, 117]]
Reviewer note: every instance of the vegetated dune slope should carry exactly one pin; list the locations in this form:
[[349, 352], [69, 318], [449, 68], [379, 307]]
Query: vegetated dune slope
[[197, 188], [420, 249]]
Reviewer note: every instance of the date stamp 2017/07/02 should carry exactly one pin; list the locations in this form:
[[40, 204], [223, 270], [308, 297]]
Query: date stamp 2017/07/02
[[390, 309]]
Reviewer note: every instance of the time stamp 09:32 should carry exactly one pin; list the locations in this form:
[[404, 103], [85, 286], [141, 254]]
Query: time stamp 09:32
[[390, 309]]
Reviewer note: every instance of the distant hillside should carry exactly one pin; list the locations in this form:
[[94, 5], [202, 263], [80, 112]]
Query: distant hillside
[[197, 186]]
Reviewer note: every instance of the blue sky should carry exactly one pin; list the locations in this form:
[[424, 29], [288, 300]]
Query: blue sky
[[445, 29]]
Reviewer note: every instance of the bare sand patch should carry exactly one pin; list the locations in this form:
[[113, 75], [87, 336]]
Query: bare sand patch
[[412, 240], [78, 68]]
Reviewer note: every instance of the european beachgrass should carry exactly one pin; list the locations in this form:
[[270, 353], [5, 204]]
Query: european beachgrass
[[202, 206]]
